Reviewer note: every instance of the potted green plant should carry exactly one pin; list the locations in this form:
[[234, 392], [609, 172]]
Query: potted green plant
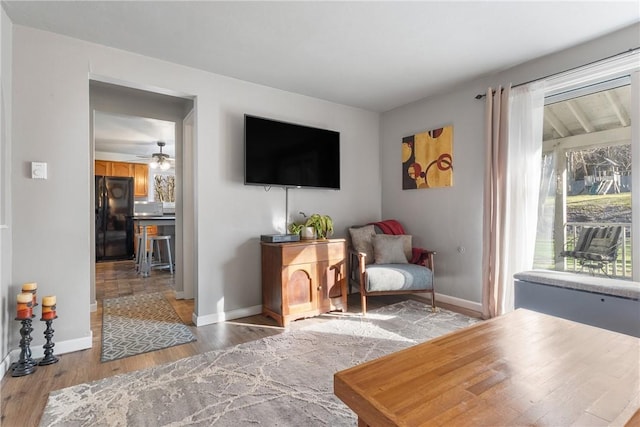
[[315, 226]]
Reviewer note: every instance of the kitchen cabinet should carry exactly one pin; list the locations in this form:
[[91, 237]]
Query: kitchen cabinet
[[140, 180], [303, 279], [102, 168], [122, 169], [138, 171]]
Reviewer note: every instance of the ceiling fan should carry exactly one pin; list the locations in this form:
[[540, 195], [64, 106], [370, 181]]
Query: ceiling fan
[[160, 160]]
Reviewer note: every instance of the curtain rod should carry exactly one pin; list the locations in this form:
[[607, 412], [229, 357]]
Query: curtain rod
[[482, 95]]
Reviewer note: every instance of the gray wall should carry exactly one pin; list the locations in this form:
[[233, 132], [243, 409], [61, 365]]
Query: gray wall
[[52, 222], [7, 291], [446, 219]]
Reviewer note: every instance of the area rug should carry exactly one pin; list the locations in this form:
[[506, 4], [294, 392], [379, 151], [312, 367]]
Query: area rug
[[138, 324], [281, 380]]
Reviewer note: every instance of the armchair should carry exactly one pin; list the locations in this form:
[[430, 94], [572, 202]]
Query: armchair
[[382, 261]]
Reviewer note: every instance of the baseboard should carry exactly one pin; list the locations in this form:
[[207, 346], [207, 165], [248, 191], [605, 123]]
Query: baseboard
[[6, 363], [93, 306], [227, 315], [459, 302], [37, 351], [178, 294]]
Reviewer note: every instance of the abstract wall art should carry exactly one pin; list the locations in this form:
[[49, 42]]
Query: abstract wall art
[[427, 159]]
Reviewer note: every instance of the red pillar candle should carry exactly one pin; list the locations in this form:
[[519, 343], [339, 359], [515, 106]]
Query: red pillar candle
[[31, 288], [25, 306], [49, 307]]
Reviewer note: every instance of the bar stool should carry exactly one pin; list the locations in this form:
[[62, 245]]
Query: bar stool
[[159, 263]]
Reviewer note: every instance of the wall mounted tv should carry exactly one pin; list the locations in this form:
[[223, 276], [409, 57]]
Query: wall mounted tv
[[290, 155]]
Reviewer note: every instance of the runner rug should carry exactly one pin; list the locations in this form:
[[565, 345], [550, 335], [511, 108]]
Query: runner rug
[[281, 380], [138, 324]]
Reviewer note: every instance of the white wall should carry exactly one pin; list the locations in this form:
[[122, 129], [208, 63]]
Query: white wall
[[51, 124], [445, 219], [7, 297]]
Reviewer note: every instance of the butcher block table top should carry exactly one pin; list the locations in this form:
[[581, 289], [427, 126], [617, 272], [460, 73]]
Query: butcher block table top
[[523, 368]]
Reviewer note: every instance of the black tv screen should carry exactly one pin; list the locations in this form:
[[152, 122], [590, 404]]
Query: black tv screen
[[290, 155]]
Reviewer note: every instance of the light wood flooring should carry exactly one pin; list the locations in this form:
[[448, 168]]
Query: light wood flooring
[[24, 398]]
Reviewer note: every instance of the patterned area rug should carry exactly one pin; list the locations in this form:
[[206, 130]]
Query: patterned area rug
[[282, 380], [138, 324]]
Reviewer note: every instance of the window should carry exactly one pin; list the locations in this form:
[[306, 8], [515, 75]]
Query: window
[[587, 174]]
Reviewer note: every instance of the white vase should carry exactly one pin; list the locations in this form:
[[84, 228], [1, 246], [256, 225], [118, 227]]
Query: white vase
[[308, 233]]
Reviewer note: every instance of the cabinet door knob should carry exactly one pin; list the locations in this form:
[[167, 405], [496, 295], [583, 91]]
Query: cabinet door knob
[[319, 288]]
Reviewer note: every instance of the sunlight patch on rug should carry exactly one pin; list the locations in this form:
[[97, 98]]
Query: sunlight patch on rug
[[139, 324]]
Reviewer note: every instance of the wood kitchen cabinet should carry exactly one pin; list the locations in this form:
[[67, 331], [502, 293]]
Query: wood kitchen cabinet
[[138, 171], [140, 180], [303, 279], [122, 169], [102, 168]]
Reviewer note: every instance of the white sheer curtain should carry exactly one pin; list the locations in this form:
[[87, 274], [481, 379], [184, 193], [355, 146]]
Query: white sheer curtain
[[546, 211], [512, 186]]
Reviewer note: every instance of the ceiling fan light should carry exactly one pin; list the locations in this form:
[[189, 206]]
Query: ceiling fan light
[[164, 165], [154, 164]]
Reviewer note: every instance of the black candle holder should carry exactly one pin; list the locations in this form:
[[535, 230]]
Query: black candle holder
[[48, 358], [25, 365]]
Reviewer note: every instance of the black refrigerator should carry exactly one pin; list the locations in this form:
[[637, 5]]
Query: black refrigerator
[[114, 218]]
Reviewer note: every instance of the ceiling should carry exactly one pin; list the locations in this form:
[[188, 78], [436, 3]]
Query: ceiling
[[134, 138], [588, 114], [371, 55]]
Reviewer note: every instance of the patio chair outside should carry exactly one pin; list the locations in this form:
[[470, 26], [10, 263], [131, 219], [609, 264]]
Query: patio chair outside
[[596, 248]]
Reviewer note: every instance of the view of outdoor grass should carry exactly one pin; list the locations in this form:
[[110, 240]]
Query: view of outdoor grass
[[596, 209], [599, 208]]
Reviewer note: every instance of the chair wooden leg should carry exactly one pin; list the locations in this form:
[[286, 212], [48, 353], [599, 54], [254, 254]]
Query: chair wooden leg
[[363, 302], [434, 309]]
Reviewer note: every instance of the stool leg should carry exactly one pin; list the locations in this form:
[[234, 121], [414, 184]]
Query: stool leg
[[159, 252], [135, 264], [139, 248], [150, 256], [169, 253]]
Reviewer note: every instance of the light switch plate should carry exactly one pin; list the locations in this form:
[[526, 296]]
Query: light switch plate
[[38, 170]]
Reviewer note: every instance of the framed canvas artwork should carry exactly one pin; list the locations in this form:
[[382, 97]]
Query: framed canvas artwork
[[427, 159]]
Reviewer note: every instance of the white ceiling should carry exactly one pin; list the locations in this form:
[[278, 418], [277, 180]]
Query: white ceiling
[[134, 137], [372, 55]]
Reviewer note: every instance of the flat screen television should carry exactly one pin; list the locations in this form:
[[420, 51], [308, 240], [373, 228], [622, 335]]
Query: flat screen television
[[290, 155]]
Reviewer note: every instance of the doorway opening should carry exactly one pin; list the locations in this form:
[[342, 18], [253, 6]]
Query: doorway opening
[[131, 130]]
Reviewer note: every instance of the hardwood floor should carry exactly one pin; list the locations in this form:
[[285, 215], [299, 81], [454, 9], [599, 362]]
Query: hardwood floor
[[24, 398]]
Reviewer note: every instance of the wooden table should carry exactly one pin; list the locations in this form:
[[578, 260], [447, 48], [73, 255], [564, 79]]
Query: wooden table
[[523, 368]]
